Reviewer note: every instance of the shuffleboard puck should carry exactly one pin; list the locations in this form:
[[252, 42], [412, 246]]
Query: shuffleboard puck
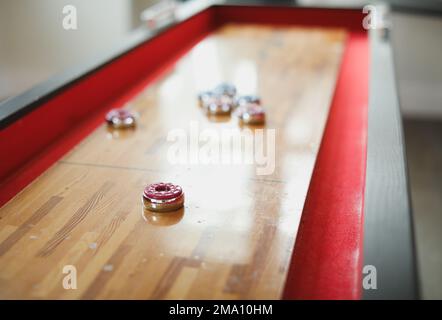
[[120, 119], [252, 114], [163, 197]]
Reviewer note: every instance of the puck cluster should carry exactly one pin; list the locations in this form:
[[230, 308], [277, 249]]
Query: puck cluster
[[224, 101]]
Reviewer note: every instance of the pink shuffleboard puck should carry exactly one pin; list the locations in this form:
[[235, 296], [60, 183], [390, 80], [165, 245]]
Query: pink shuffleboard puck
[[161, 197]]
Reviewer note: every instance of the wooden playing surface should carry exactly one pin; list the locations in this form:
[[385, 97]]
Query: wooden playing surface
[[235, 236]]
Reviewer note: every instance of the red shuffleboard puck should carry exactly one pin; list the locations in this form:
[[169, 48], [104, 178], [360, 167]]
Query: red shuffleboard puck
[[163, 197]]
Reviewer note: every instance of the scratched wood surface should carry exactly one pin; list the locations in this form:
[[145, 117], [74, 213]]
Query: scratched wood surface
[[235, 236]]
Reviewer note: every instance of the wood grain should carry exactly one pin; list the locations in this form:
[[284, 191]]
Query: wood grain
[[234, 237]]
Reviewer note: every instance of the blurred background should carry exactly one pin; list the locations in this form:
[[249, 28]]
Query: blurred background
[[34, 47]]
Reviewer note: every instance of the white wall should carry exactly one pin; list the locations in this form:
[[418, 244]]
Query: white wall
[[417, 43], [34, 45]]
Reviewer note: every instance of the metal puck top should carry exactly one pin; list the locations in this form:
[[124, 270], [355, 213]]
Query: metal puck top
[[248, 99], [226, 89]]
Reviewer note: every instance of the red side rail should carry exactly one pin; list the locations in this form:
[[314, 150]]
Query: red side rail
[[327, 258]]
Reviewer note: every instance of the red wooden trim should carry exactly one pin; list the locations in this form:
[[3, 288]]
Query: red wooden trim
[[327, 258], [345, 18]]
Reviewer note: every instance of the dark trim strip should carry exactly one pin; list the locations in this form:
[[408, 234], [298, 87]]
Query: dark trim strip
[[388, 239]]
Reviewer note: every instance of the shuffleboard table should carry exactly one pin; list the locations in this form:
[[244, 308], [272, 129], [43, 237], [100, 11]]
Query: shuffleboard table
[[337, 199]]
